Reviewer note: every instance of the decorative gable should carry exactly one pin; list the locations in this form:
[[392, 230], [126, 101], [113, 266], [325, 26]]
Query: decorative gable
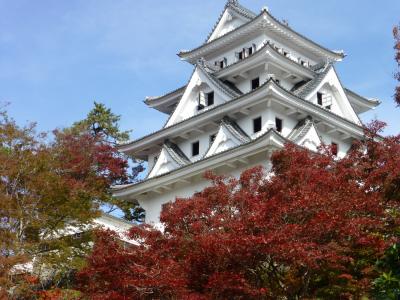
[[229, 135], [305, 134], [233, 16], [329, 93], [201, 83], [169, 159]]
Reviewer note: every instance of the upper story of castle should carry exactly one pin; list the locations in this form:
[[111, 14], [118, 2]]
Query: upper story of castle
[[253, 74]]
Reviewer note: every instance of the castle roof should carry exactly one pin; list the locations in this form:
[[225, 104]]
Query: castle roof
[[261, 22]]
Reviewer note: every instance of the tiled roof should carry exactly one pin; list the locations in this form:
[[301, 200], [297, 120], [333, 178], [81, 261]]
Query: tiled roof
[[374, 102], [233, 4], [260, 51], [250, 141], [303, 90], [301, 129], [150, 100], [235, 129], [176, 153], [264, 11], [226, 86], [237, 99]]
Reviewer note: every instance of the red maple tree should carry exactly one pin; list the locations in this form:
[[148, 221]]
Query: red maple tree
[[313, 229], [396, 33]]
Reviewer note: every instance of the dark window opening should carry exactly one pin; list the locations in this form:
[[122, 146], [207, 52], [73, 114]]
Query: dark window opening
[[210, 98], [212, 138], [240, 55], [335, 149], [255, 83], [285, 53], [278, 81], [278, 124], [250, 50], [257, 124], [328, 107], [195, 148], [319, 98]]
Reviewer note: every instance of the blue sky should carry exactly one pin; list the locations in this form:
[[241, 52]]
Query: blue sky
[[57, 57]]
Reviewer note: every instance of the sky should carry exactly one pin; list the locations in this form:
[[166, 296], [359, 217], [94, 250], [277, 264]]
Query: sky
[[57, 57]]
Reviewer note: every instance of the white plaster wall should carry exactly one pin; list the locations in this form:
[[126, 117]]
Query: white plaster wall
[[153, 204], [268, 116], [341, 104], [344, 146], [259, 42], [204, 140]]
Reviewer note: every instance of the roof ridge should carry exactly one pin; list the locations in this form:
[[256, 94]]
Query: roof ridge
[[176, 153], [268, 45], [265, 11], [238, 8], [259, 138], [304, 90], [235, 129], [202, 66], [246, 94]]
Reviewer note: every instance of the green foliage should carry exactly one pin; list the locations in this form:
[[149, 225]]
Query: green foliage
[[101, 120], [50, 188], [387, 285]]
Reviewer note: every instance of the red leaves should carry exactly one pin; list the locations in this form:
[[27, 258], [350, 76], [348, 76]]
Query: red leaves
[[310, 230], [396, 34]]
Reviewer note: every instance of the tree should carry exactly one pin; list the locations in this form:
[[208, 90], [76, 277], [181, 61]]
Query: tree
[[396, 33], [102, 123], [50, 187], [313, 229], [387, 285]]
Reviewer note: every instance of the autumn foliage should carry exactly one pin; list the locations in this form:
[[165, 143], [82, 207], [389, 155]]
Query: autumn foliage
[[315, 228], [396, 33], [49, 183]]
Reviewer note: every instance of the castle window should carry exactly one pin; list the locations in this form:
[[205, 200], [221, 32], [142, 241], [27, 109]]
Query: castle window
[[257, 124], [255, 83], [221, 63], [210, 98], [335, 149], [201, 101], [319, 98], [195, 148], [278, 124]]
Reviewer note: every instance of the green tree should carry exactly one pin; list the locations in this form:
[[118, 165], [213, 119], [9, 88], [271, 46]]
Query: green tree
[[101, 122], [51, 187], [387, 285]]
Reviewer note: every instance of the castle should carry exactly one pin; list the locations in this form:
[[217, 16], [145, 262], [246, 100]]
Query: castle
[[256, 85]]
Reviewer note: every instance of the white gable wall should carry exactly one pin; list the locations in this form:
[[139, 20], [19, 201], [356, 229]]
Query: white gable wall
[[187, 106], [332, 87]]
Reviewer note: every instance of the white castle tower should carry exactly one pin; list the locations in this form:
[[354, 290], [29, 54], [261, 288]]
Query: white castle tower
[[257, 84]]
